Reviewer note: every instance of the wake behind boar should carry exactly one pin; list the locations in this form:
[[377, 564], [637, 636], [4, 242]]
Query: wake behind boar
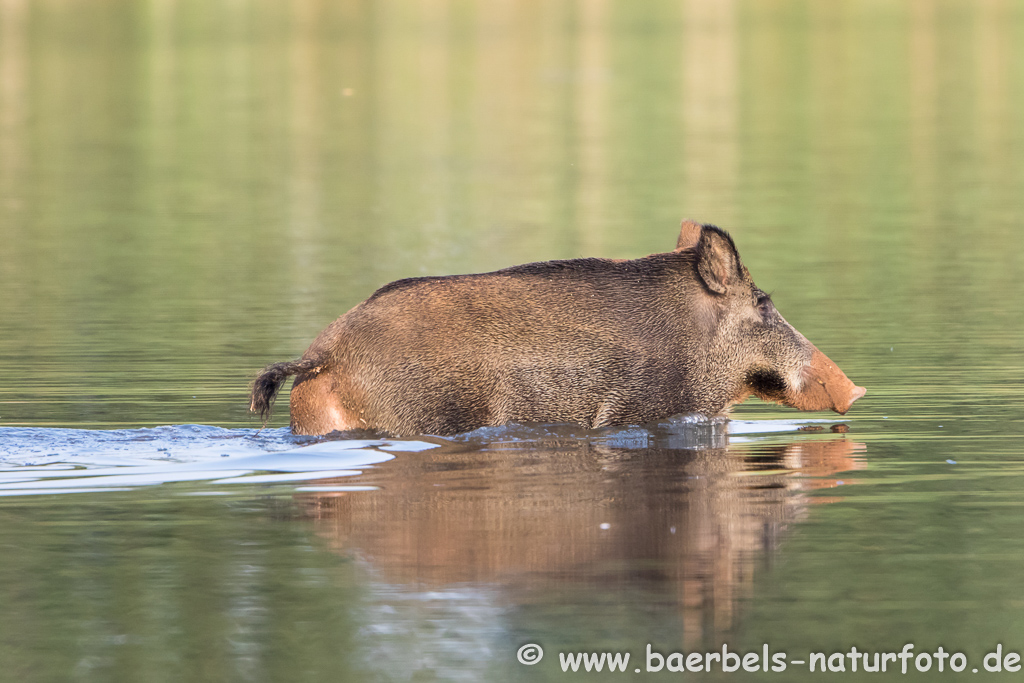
[[596, 342]]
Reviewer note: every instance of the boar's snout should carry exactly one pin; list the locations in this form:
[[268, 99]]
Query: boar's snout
[[824, 387]]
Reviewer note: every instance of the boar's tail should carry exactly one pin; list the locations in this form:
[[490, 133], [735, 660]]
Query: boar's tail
[[268, 383]]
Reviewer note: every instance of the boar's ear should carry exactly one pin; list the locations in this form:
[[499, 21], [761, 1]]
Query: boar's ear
[[689, 235], [717, 261]]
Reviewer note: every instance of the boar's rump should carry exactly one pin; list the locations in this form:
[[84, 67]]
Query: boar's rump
[[591, 341]]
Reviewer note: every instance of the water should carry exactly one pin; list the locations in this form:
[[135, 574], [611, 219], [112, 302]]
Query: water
[[192, 190]]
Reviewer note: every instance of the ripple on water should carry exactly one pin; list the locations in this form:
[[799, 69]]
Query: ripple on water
[[39, 460], [36, 461]]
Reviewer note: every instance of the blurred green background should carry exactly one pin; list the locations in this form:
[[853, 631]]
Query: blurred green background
[[192, 190]]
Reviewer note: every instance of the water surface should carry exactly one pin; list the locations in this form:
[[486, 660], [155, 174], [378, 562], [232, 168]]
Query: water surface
[[192, 190]]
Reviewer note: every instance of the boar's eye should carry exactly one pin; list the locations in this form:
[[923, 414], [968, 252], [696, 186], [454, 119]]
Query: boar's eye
[[763, 302]]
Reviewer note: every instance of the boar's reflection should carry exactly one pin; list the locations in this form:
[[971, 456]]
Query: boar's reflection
[[679, 511]]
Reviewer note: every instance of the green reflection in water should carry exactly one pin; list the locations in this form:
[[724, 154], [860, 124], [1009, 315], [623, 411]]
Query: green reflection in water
[[132, 587], [189, 190]]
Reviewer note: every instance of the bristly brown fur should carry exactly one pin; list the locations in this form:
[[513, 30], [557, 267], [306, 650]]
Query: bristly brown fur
[[594, 342], [269, 381]]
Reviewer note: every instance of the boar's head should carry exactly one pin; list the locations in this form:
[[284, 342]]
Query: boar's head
[[751, 342]]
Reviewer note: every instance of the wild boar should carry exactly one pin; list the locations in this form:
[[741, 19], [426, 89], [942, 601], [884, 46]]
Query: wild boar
[[591, 341]]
